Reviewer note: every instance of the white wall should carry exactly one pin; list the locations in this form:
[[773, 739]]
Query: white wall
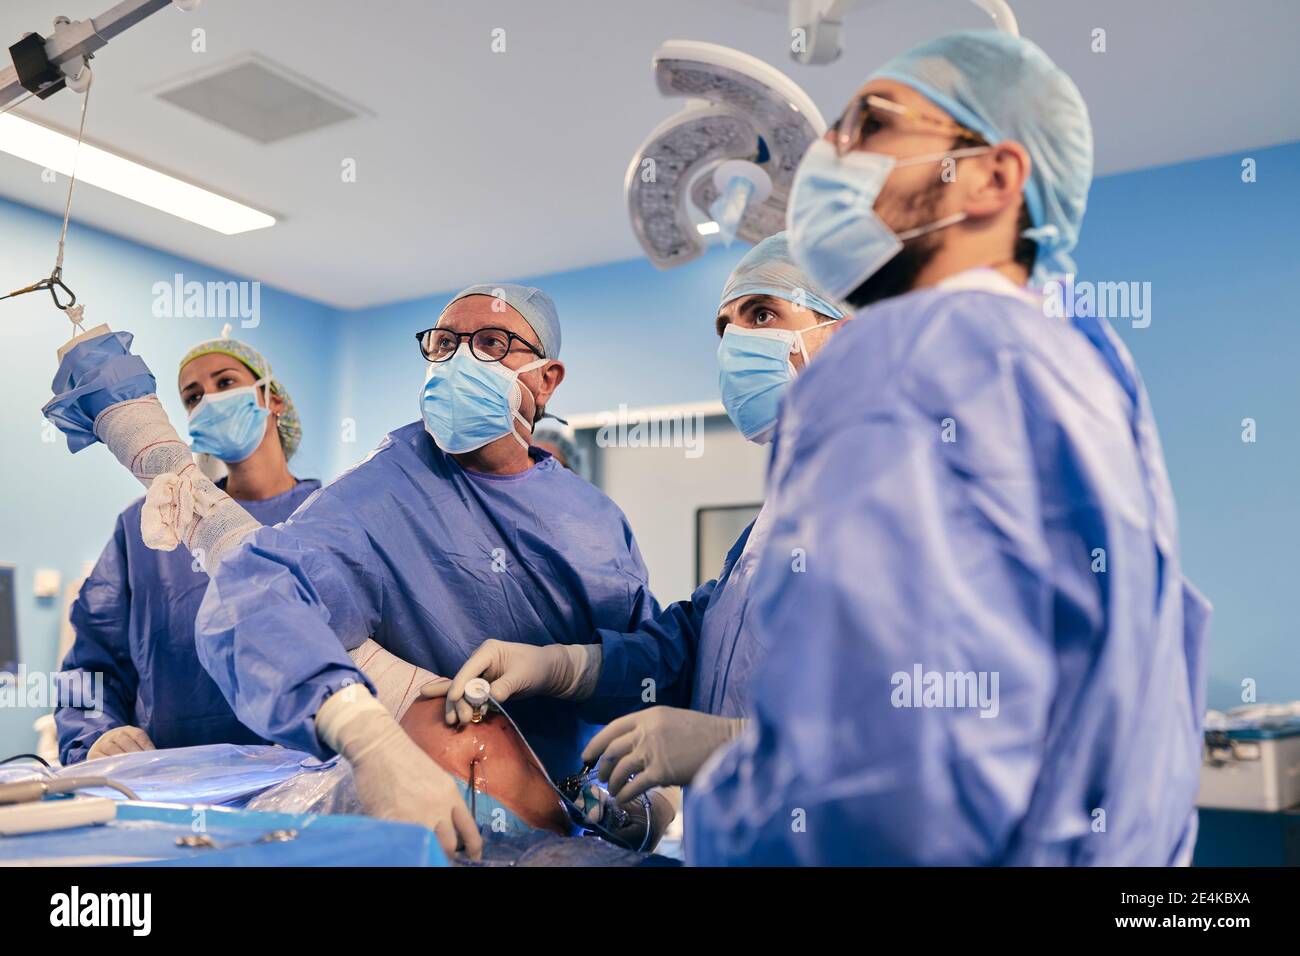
[[659, 489]]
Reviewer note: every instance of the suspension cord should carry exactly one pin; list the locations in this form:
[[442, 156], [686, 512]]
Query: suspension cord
[[72, 179]]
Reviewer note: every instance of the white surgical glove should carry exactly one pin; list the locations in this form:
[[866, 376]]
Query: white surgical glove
[[657, 747], [661, 812], [567, 671], [120, 740], [395, 779]]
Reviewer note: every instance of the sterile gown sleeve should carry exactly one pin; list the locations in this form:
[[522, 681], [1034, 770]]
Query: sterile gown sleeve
[[100, 618], [663, 651], [281, 613]]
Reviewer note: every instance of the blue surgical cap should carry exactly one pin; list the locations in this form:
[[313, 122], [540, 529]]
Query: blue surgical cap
[[769, 269], [533, 304], [1005, 88]]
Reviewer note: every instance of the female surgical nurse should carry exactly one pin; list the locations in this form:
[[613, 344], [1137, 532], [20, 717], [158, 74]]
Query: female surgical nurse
[[677, 687], [134, 618]]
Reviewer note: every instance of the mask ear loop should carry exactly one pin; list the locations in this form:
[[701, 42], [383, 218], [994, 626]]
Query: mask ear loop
[[264, 381], [798, 335], [962, 153], [947, 221], [538, 363]]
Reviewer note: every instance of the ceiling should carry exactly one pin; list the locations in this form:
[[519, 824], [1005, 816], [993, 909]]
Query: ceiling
[[474, 165]]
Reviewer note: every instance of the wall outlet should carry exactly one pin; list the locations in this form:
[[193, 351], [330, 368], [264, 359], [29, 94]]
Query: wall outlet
[[48, 581]]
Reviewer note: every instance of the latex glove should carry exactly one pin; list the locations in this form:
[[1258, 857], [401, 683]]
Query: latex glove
[[661, 814], [395, 779], [657, 747], [120, 740], [568, 671]]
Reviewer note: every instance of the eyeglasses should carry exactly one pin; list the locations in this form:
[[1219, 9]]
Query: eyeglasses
[[487, 344], [868, 115]]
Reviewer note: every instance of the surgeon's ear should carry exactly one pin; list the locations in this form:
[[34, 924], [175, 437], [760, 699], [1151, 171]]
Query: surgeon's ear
[[274, 402], [550, 378], [996, 180]]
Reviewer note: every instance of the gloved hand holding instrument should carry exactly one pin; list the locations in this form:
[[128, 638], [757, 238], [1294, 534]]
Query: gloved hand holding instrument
[[657, 747], [564, 671]]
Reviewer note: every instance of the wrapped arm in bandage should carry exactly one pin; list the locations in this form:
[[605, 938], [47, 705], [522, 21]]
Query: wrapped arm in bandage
[[104, 393]]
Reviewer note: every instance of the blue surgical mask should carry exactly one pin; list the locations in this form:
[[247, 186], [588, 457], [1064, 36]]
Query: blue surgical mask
[[754, 369], [836, 236], [467, 404], [229, 425]]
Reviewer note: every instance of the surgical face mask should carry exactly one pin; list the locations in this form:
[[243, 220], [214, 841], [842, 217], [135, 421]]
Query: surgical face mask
[[835, 234], [467, 404], [229, 425], [754, 369]]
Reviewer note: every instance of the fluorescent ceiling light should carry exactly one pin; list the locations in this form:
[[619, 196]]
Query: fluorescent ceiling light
[[708, 228], [54, 150]]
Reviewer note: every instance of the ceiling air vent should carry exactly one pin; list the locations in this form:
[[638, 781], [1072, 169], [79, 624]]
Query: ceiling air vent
[[260, 100]]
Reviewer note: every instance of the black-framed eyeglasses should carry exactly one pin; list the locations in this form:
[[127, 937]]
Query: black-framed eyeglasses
[[869, 114], [487, 344]]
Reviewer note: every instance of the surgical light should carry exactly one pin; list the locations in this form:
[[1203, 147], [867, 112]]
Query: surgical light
[[724, 164]]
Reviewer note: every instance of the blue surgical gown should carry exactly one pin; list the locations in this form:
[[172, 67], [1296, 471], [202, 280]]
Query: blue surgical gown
[[431, 560], [134, 623], [698, 653], [978, 490]]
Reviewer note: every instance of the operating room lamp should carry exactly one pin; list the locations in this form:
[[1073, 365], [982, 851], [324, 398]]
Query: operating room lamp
[[724, 164], [732, 151]]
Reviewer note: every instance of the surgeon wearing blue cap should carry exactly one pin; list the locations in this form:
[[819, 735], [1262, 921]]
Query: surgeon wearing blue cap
[[987, 652], [452, 531], [699, 655]]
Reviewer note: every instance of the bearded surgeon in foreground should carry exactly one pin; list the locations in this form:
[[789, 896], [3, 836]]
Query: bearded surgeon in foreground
[[977, 492]]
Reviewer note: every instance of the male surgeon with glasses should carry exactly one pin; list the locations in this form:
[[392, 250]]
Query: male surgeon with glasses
[[454, 530]]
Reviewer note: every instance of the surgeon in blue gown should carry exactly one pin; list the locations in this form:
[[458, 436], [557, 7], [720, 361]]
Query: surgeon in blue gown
[[451, 532], [990, 654], [134, 617], [698, 655]]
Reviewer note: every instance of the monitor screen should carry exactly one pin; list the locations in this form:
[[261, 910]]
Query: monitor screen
[[716, 530], [8, 620]]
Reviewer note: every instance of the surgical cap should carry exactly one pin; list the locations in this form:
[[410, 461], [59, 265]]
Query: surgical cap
[[1005, 88], [289, 425], [769, 269], [533, 304]]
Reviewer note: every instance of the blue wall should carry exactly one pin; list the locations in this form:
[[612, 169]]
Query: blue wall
[[1222, 346]]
